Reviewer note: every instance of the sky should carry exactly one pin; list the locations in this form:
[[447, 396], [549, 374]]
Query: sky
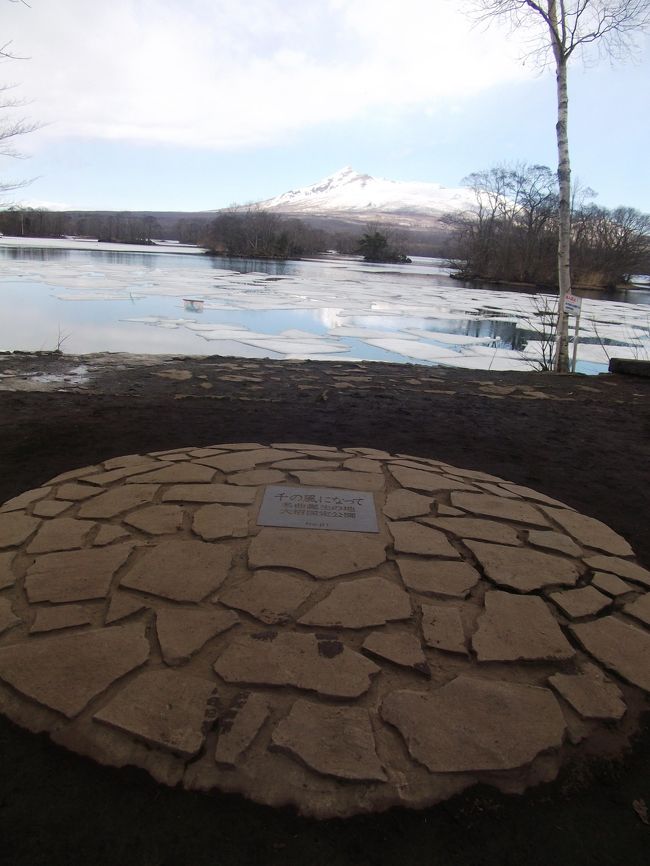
[[199, 104]]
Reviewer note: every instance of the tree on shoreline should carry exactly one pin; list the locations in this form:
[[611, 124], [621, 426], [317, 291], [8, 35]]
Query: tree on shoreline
[[260, 234], [511, 236], [565, 27]]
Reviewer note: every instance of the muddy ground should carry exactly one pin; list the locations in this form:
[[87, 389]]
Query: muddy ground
[[584, 440]]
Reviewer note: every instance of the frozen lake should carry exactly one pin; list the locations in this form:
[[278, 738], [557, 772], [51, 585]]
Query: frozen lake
[[101, 297]]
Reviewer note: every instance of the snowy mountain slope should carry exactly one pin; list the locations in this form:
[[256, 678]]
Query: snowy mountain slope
[[353, 195]]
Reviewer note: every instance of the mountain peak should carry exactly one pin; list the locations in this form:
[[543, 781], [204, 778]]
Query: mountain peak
[[349, 193]]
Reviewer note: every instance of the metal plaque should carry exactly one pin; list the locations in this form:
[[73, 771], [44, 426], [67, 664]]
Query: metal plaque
[[318, 508]]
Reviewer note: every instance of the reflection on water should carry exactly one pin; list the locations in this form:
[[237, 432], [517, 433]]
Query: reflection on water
[[41, 254], [273, 267], [133, 300]]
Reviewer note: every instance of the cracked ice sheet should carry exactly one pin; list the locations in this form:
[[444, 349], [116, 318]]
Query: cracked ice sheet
[[363, 333], [413, 349], [591, 352], [496, 363], [486, 351], [451, 339], [293, 342], [623, 332], [303, 348], [602, 354], [387, 301], [233, 348], [159, 322]]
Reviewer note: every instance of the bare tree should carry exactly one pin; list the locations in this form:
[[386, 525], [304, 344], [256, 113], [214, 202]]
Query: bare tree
[[11, 127], [564, 28]]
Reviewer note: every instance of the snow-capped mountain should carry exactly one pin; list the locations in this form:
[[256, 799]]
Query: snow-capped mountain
[[348, 194]]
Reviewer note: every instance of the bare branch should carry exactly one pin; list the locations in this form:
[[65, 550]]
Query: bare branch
[[12, 127]]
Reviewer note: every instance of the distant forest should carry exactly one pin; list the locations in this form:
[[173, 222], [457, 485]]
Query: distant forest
[[511, 237], [236, 232]]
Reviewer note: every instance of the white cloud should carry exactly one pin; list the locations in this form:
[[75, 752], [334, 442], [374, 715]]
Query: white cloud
[[223, 74]]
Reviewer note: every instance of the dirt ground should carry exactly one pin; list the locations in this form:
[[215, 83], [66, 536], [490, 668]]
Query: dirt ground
[[582, 440]]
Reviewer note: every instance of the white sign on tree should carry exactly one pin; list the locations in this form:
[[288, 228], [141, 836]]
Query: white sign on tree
[[572, 304]]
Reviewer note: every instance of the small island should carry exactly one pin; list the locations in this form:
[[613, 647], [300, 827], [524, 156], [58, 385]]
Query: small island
[[375, 246]]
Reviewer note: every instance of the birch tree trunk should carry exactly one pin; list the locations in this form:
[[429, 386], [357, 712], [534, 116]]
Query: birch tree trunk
[[572, 24], [561, 360]]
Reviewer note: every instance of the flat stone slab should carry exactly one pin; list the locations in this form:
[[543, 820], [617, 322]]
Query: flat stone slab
[[324, 666], [438, 577], [65, 673], [334, 741], [77, 492], [257, 477], [8, 618], [107, 534], [16, 527], [523, 569], [406, 503], [497, 506], [472, 725], [322, 554], [180, 570], [123, 605], [104, 479], [639, 609], [472, 527], [588, 531], [179, 473], [224, 493], [7, 576], [619, 647], [620, 567], [25, 499], [51, 507], [239, 726], [518, 628], [367, 481], [117, 501], [442, 627], [76, 575], [249, 459], [410, 537], [425, 479], [534, 495], [220, 521], [306, 465], [270, 596], [156, 519], [401, 648], [576, 603], [147, 617], [182, 633], [611, 584], [591, 696], [550, 540], [164, 708], [62, 533], [360, 603], [61, 616]]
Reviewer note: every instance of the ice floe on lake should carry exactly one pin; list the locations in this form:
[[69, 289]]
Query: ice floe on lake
[[329, 309]]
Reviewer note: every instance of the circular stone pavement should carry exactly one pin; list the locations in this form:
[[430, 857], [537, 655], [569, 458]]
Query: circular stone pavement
[[483, 633]]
